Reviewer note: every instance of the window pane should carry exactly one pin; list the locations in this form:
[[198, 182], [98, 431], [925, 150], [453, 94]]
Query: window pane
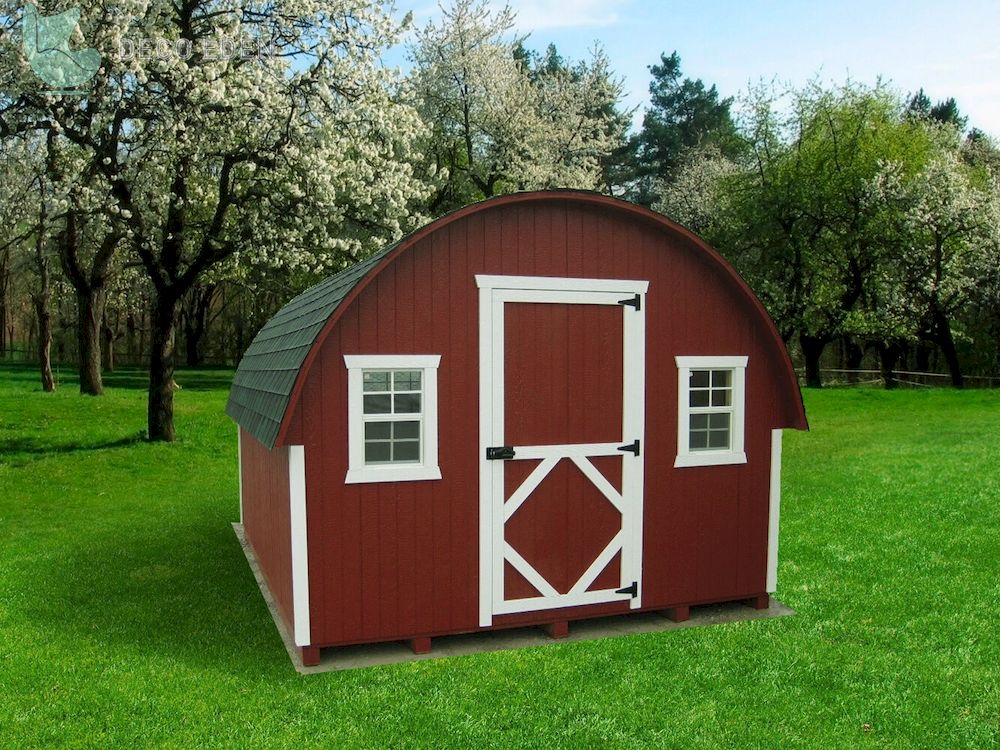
[[375, 380], [376, 453], [410, 430], [699, 379], [376, 404], [698, 440], [718, 439], [699, 398], [718, 421], [722, 378], [699, 421], [721, 397], [377, 430], [406, 450], [407, 403], [406, 380]]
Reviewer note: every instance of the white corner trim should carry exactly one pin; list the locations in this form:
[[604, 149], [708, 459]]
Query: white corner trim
[[300, 551], [735, 454], [773, 513], [239, 464], [552, 283], [358, 472]]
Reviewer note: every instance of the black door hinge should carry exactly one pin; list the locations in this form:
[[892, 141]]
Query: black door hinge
[[632, 447], [499, 453], [632, 590], [635, 302]]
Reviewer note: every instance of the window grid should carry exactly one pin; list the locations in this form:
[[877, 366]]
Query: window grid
[[710, 409], [387, 396]]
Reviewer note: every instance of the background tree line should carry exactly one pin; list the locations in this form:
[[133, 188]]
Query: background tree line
[[165, 215]]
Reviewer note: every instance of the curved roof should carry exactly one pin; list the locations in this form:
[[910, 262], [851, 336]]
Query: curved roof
[[267, 372], [268, 380]]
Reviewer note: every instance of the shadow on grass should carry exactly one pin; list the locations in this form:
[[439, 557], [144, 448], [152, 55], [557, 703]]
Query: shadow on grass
[[183, 594], [21, 450]]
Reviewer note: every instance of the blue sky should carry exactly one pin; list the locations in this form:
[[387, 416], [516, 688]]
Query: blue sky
[[951, 49]]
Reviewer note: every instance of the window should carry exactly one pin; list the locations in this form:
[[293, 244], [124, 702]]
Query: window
[[710, 410], [392, 417]]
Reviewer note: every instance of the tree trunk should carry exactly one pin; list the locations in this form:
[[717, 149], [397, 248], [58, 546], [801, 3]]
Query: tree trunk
[[239, 337], [160, 413], [888, 354], [812, 350], [995, 332], [31, 338], [143, 328], [45, 342], [922, 362], [90, 311], [43, 312], [108, 348], [942, 330], [194, 330], [197, 312], [192, 355], [4, 293], [853, 357], [131, 338]]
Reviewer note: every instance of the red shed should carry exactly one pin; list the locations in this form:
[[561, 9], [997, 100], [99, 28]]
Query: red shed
[[539, 408]]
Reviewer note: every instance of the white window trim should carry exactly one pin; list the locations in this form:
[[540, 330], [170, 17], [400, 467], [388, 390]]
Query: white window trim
[[735, 453], [358, 472]]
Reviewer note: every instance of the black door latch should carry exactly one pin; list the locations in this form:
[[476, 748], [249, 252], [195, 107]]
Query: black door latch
[[499, 453]]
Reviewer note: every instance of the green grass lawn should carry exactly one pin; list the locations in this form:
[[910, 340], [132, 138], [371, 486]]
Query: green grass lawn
[[129, 617]]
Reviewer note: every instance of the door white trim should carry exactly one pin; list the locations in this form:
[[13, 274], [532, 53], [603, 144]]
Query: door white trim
[[599, 564], [599, 481], [494, 292], [528, 486], [485, 281]]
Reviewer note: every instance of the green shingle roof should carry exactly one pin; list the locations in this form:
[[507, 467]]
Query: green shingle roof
[[267, 373]]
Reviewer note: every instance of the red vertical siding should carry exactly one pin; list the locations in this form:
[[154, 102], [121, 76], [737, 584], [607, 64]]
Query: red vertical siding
[[266, 521], [550, 400], [398, 560]]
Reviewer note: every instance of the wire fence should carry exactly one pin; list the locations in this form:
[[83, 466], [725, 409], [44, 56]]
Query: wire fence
[[850, 378]]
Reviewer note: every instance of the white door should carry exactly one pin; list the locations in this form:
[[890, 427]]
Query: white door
[[562, 384]]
